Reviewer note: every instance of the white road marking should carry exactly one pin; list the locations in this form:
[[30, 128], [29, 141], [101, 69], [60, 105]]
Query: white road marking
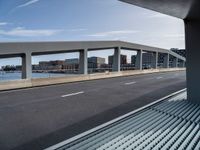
[[159, 78], [72, 94], [130, 83]]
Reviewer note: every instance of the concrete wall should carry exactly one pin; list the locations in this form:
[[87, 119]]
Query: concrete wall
[[28, 83]]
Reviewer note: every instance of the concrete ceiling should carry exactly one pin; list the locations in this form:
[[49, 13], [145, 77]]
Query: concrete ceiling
[[184, 9]]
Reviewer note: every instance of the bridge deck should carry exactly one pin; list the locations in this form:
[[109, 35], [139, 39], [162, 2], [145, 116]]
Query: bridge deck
[[171, 124]]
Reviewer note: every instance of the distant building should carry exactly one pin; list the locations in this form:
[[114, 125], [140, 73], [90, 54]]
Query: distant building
[[51, 65], [147, 59], [36, 67], [133, 59], [57, 62], [72, 61], [123, 59], [161, 58], [95, 62], [71, 64], [9, 68], [181, 52], [128, 66], [106, 67]]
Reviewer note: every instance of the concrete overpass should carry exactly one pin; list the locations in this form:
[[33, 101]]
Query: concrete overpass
[[28, 49], [189, 11]]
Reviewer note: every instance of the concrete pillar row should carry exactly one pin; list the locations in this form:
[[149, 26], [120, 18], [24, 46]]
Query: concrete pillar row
[[166, 61], [27, 66], [117, 59], [83, 62], [138, 63]]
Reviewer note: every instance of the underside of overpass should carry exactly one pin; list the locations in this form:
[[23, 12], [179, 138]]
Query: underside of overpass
[[189, 11]]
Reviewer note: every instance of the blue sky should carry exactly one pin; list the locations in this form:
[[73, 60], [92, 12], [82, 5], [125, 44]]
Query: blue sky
[[72, 20]]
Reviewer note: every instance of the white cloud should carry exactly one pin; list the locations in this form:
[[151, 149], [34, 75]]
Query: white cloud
[[28, 3], [113, 33], [3, 23], [21, 32]]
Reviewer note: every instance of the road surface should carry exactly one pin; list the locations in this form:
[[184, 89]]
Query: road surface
[[37, 118]]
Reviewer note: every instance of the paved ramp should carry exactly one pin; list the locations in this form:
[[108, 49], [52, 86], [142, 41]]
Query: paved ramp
[[172, 124]]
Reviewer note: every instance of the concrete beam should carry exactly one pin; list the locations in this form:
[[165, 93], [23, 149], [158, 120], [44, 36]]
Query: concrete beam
[[83, 62], [26, 66], [138, 63], [44, 48], [117, 59], [176, 8]]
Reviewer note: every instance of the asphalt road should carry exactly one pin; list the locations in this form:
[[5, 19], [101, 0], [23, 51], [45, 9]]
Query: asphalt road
[[37, 118]]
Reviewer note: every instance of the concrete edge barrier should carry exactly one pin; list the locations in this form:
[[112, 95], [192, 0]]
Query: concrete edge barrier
[[18, 84]]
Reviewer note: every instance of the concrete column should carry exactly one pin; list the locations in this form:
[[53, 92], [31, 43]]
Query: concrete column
[[26, 66], [83, 62], [192, 35], [154, 63], [117, 59], [166, 61], [138, 63], [175, 62]]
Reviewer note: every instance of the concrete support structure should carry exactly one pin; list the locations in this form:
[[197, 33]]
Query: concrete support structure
[[192, 30], [166, 61], [117, 59], [138, 63], [154, 62], [28, 49], [26, 66], [174, 62], [83, 62]]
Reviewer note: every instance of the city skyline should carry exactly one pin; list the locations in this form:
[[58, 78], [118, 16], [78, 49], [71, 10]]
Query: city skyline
[[106, 60]]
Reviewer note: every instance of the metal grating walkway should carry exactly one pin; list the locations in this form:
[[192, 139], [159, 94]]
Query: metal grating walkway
[[172, 124]]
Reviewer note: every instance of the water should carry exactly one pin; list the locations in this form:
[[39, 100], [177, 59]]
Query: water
[[7, 76]]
